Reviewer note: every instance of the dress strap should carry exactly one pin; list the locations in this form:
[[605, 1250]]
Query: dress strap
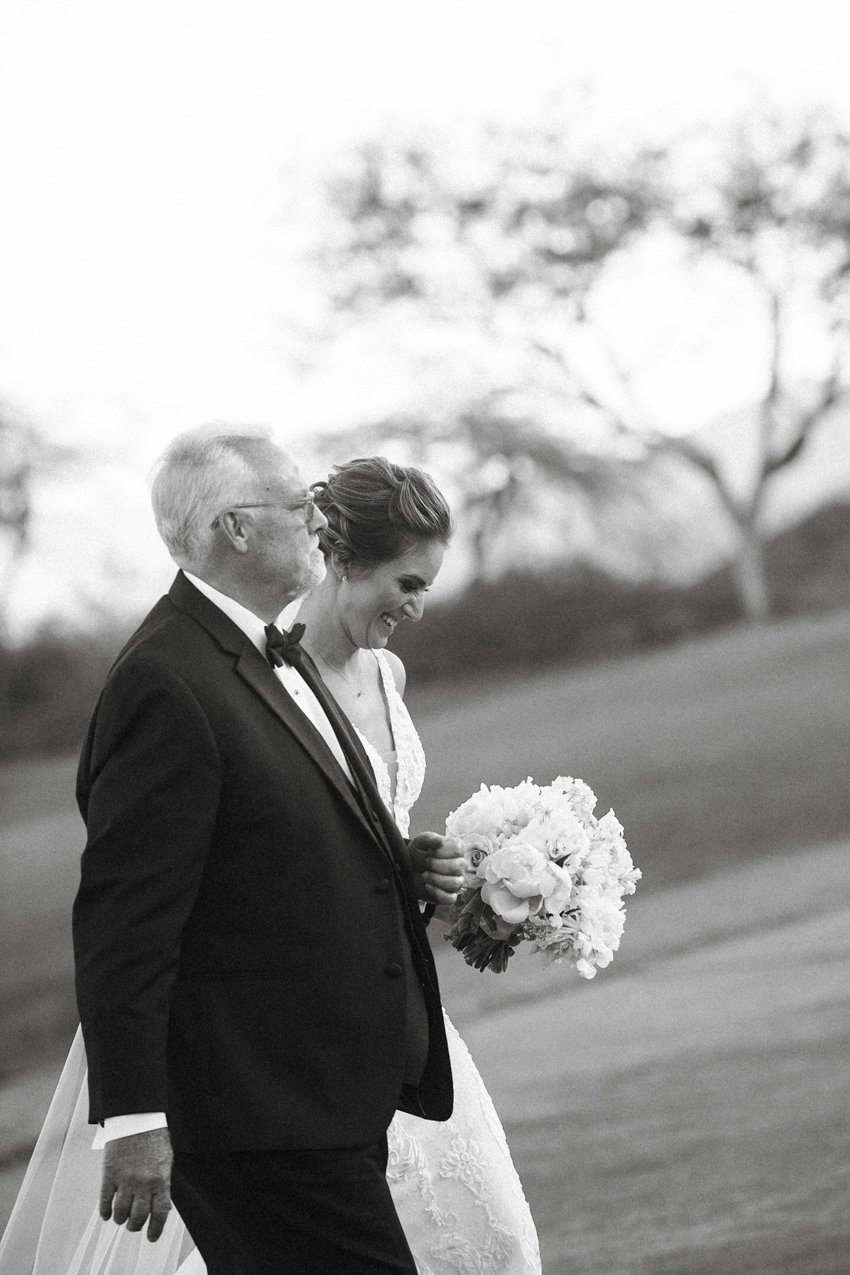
[[410, 771], [387, 679]]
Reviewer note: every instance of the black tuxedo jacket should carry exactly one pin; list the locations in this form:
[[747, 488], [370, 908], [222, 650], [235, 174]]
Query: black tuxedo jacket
[[240, 925]]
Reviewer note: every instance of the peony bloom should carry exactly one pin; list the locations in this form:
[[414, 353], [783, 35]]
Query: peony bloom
[[518, 878], [483, 812]]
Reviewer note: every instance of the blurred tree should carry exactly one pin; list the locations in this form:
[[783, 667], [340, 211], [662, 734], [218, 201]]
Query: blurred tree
[[777, 211], [17, 446], [518, 235], [515, 234], [525, 217], [501, 464], [23, 453]]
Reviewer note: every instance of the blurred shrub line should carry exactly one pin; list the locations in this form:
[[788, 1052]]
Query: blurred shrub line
[[48, 689], [571, 614], [577, 612]]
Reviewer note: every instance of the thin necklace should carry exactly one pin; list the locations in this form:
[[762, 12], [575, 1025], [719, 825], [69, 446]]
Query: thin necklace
[[358, 688]]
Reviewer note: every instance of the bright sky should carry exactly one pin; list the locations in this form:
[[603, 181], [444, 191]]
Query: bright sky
[[142, 278], [146, 283]]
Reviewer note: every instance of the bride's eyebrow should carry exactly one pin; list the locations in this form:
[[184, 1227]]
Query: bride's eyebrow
[[416, 581]]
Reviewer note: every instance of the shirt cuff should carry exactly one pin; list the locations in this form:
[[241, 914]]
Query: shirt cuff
[[123, 1126]]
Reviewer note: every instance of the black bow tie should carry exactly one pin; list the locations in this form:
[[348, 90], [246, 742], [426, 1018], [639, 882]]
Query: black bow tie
[[284, 648]]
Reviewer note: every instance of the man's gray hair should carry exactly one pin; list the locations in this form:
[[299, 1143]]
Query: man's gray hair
[[197, 476]]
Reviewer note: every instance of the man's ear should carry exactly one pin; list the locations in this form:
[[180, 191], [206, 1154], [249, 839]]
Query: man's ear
[[236, 529]]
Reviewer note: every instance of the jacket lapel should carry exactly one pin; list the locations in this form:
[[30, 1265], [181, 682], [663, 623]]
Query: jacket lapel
[[260, 677], [361, 768]]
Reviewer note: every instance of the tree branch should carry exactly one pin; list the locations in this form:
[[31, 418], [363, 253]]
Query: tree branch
[[769, 403], [828, 397], [581, 391]]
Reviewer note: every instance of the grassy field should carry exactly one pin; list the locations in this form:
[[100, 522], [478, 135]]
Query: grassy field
[[708, 751], [685, 1113]]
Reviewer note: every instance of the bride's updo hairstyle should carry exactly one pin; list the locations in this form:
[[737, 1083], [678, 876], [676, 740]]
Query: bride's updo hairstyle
[[377, 510]]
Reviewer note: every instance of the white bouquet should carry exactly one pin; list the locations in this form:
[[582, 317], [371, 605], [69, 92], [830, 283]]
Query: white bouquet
[[541, 867]]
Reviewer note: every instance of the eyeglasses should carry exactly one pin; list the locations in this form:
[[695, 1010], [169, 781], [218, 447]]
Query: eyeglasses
[[308, 504]]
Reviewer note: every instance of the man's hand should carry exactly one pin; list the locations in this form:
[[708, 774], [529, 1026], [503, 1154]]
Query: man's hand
[[438, 862], [137, 1181]]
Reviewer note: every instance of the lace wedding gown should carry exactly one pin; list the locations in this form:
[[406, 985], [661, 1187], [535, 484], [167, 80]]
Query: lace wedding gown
[[454, 1184]]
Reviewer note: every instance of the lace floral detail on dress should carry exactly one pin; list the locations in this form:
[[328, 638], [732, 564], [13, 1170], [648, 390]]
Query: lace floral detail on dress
[[455, 1187]]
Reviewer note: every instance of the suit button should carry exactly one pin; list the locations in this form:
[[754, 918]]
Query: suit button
[[383, 887], [393, 970]]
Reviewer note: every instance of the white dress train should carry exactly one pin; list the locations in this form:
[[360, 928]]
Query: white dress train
[[453, 1182]]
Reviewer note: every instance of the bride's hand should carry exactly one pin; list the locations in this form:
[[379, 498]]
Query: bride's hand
[[438, 862]]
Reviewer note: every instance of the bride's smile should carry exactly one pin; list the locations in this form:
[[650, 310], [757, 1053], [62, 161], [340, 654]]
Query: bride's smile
[[373, 601]]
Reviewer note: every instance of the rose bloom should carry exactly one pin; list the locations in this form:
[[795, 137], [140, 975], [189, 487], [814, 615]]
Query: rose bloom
[[518, 878], [475, 851]]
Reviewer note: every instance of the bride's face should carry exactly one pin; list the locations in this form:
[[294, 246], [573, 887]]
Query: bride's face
[[374, 600]]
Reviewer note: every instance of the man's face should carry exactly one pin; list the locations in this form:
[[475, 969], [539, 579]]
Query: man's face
[[285, 555]]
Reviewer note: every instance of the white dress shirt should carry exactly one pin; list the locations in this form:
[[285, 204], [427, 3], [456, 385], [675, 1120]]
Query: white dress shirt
[[254, 628]]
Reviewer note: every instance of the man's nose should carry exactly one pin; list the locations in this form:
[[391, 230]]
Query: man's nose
[[318, 522]]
